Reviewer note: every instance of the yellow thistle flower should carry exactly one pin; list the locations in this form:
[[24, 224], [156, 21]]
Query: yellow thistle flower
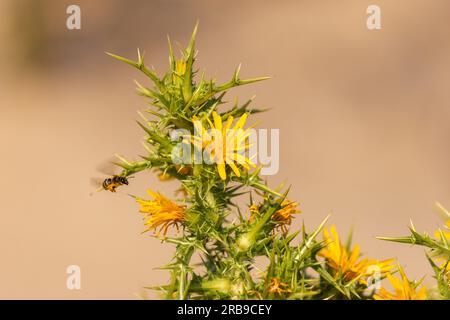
[[226, 145], [278, 287], [284, 216], [161, 212], [404, 289], [346, 264]]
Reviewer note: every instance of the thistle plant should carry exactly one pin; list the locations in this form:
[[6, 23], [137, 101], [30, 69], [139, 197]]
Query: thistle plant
[[217, 243]]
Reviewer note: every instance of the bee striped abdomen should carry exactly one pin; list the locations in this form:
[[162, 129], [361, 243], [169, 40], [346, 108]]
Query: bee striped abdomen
[[113, 182]]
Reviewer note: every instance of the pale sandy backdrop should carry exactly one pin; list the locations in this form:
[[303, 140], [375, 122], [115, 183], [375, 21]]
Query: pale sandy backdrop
[[364, 119]]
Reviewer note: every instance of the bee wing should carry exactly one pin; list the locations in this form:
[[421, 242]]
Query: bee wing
[[96, 182]]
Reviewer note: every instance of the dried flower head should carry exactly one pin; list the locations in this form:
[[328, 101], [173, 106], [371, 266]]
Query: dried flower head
[[277, 287], [283, 217]]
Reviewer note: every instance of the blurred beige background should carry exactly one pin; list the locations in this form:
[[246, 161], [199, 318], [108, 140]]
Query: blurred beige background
[[364, 118]]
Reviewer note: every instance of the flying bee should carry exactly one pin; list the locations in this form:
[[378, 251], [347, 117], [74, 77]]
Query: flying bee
[[110, 184], [114, 179], [113, 182]]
